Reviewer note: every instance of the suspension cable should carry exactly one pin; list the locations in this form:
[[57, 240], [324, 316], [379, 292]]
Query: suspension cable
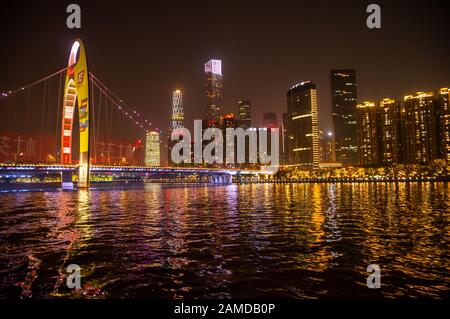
[[12, 92], [120, 107], [58, 114], [132, 114]]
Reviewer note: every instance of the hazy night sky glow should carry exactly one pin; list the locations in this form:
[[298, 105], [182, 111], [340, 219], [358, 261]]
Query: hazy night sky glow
[[144, 50]]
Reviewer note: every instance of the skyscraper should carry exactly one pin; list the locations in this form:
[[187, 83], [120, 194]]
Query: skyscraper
[[177, 123], [302, 128], [177, 110], [344, 99], [419, 128], [213, 72], [367, 135], [270, 120], [389, 132], [245, 115], [152, 149], [228, 121], [284, 144], [444, 123], [270, 124]]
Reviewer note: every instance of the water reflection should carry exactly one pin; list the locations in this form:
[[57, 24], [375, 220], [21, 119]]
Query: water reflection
[[258, 240]]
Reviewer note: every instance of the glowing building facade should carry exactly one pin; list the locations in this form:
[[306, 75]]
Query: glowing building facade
[[152, 149], [228, 121], [419, 128], [213, 72], [302, 126], [389, 132], [177, 110], [245, 115], [344, 100], [367, 133], [444, 123]]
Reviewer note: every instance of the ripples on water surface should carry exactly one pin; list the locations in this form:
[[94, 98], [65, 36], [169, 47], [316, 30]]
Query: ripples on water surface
[[247, 241]]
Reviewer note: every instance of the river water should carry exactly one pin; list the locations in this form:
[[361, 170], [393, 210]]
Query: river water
[[233, 241]]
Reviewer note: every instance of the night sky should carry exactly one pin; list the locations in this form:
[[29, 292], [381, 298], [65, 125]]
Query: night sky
[[143, 50]]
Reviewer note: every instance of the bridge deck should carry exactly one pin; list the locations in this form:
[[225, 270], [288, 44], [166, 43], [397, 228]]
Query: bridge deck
[[132, 169]]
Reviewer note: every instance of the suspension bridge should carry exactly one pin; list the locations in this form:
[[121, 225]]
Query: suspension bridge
[[71, 124]]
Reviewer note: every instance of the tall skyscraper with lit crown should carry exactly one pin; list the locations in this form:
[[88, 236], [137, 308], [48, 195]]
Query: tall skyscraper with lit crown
[[214, 95], [177, 110]]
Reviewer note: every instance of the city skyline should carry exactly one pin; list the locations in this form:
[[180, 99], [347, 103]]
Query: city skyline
[[220, 156], [246, 75]]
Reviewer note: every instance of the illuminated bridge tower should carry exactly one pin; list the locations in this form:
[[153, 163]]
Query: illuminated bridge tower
[[177, 110], [76, 91], [419, 119]]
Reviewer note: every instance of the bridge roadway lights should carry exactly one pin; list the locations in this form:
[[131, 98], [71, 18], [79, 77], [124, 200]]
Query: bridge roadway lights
[[221, 179], [83, 178], [250, 179], [84, 175]]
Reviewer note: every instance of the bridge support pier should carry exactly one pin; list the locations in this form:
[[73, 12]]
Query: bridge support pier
[[83, 175], [66, 179]]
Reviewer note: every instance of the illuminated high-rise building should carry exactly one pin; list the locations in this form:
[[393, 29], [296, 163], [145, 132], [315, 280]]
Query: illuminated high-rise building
[[283, 133], [213, 72], [389, 132], [269, 124], [152, 149], [177, 110], [245, 115], [302, 126], [228, 121], [344, 100], [177, 122], [444, 123], [367, 134], [419, 128]]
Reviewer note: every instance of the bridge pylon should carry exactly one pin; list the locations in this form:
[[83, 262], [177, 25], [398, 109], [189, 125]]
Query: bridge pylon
[[77, 91]]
